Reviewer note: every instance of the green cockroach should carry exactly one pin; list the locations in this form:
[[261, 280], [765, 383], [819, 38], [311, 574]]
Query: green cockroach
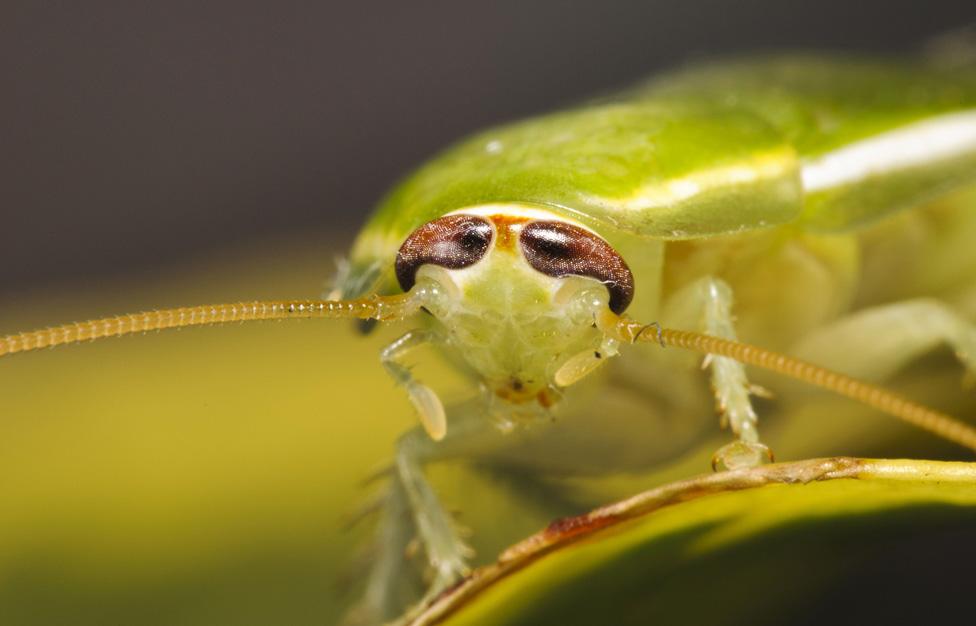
[[827, 194]]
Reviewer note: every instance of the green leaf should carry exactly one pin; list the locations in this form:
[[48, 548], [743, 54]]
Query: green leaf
[[748, 546]]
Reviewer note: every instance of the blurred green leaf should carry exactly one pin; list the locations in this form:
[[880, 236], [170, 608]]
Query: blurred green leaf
[[756, 546]]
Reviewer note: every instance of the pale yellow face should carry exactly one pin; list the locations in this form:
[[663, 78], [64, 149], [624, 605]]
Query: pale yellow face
[[514, 324]]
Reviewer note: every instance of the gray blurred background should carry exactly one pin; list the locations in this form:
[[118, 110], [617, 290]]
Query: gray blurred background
[[135, 134]]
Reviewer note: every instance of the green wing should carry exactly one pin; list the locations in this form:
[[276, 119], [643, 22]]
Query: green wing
[[712, 150], [873, 135]]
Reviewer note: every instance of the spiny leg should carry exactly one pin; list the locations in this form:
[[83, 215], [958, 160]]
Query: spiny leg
[[414, 512], [446, 553], [874, 343], [706, 305], [393, 581]]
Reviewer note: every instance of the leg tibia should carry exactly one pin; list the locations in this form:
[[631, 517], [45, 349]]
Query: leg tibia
[[706, 306], [393, 580], [445, 550], [415, 516]]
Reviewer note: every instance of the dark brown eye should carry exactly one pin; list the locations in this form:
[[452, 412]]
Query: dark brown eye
[[558, 249], [453, 241]]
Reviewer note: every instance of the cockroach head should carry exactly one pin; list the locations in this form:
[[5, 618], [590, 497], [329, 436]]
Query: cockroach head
[[516, 289]]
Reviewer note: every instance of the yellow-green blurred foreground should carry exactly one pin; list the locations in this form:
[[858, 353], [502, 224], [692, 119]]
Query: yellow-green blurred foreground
[[199, 476]]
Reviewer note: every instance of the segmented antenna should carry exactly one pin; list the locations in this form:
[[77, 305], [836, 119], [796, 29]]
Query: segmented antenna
[[374, 307], [886, 401]]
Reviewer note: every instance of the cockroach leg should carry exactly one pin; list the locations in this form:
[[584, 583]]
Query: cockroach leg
[[446, 551], [391, 574], [413, 512], [706, 305]]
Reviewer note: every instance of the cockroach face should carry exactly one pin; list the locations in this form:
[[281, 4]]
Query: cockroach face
[[516, 289]]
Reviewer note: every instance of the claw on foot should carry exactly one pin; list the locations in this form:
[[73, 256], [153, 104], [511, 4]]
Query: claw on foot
[[741, 455]]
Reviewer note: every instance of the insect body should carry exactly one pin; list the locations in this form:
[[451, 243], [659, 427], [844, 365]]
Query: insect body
[[750, 199]]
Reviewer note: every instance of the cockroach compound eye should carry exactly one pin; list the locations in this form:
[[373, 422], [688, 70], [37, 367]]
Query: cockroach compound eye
[[452, 242], [558, 249]]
